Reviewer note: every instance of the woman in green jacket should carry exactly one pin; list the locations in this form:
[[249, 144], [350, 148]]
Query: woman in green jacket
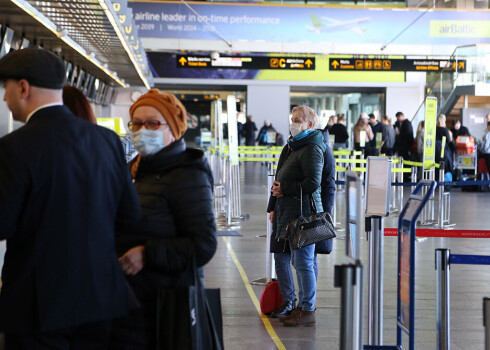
[[301, 169]]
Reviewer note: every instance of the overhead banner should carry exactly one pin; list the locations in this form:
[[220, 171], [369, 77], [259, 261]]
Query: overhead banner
[[430, 132], [311, 24]]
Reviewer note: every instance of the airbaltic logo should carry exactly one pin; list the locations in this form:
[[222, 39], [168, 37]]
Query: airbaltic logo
[[473, 29]]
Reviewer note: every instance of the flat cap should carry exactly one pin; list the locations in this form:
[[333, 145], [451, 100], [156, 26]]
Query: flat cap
[[39, 67]]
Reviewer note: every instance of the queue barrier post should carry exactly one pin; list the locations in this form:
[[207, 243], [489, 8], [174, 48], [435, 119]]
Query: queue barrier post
[[441, 198], [375, 230], [413, 177], [270, 271], [393, 207], [349, 278], [442, 298], [400, 188], [428, 214], [444, 260], [486, 321], [334, 207]]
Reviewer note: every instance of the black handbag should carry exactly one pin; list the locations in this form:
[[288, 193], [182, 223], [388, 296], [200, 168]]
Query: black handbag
[[189, 317], [304, 231]]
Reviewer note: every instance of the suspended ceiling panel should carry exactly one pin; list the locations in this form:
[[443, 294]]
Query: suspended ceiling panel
[[85, 23]]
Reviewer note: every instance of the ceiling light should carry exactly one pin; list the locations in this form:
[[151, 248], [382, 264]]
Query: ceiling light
[[114, 24], [34, 13]]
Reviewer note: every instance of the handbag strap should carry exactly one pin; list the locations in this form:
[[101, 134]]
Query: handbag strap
[[300, 201]]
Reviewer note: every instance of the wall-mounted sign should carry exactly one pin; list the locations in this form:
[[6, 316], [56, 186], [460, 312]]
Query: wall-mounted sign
[[396, 65], [240, 62]]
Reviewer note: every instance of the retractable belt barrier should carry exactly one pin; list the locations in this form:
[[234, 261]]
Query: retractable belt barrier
[[421, 232], [443, 261], [265, 152], [440, 183]]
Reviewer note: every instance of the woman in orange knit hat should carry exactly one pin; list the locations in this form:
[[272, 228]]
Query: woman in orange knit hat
[[177, 224]]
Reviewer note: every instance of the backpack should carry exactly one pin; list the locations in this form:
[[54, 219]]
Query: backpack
[[271, 298]]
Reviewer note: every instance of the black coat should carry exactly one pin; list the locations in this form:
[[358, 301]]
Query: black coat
[[443, 131], [63, 184], [340, 132], [404, 141], [306, 167], [175, 190], [248, 131]]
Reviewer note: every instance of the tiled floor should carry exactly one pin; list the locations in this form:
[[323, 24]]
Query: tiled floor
[[244, 328]]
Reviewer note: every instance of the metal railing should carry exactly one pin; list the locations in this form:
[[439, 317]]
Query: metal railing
[[476, 59]]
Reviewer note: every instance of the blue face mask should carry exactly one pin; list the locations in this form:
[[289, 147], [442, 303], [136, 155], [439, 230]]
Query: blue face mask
[[147, 142]]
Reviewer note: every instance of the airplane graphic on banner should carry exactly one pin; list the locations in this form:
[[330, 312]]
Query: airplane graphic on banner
[[319, 26]]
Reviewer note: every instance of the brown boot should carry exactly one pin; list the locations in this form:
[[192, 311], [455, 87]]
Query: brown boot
[[291, 315], [302, 319]]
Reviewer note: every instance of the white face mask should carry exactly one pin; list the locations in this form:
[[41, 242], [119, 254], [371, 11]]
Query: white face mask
[[148, 142], [295, 129]]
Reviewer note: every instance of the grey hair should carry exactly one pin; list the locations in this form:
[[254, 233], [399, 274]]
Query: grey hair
[[307, 114]]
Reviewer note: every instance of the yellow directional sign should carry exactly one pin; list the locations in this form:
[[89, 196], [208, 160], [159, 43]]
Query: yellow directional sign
[[396, 64], [182, 61], [249, 62]]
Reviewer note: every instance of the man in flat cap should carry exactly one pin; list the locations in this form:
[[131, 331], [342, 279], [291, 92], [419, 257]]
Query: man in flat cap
[[64, 186]]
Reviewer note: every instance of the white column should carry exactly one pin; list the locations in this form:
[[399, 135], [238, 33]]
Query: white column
[[269, 103]]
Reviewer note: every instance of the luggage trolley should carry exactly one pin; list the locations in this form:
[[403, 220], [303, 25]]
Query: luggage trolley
[[466, 160]]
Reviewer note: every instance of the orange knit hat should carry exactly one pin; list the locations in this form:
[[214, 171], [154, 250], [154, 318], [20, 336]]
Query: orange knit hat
[[172, 110]]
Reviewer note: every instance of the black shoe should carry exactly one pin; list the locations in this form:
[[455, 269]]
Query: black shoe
[[285, 309]]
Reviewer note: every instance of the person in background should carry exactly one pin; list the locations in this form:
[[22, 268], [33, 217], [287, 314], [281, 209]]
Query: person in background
[[388, 136], [76, 101], [175, 187], [249, 129], [486, 146], [331, 121], [206, 123], [420, 140], [404, 136], [262, 137], [340, 132], [442, 130], [363, 125], [239, 131], [300, 166], [487, 118], [64, 188], [376, 128], [459, 129]]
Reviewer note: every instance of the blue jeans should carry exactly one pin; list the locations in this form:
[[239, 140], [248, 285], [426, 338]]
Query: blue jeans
[[285, 276], [304, 261]]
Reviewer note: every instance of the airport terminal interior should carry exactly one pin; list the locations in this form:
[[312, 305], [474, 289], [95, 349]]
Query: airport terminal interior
[[233, 61]]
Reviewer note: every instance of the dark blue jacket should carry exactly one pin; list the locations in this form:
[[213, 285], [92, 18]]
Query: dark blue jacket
[[64, 183]]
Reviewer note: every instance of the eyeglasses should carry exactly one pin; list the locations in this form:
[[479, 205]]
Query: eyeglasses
[[149, 124]]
